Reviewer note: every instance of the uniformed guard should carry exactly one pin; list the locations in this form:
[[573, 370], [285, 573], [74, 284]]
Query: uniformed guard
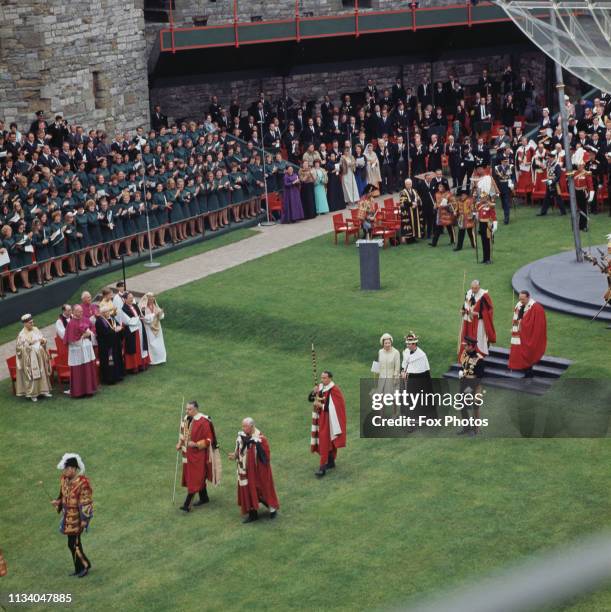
[[486, 216], [471, 374], [553, 172], [75, 504], [504, 175], [584, 189], [466, 213]]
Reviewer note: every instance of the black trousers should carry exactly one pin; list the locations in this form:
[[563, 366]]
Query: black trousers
[[466, 170], [486, 242], [386, 171], [506, 202], [79, 558], [582, 209], [551, 197], [461, 238], [437, 231], [428, 214], [400, 174]]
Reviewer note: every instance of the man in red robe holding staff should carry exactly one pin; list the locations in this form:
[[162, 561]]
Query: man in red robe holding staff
[[197, 438], [328, 422], [528, 334], [255, 481], [478, 319]]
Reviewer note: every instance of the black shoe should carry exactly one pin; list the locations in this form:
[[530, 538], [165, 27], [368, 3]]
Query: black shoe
[[488, 263], [203, 498], [273, 515], [464, 431], [75, 573], [185, 508], [252, 516], [321, 472], [456, 249], [506, 221], [83, 573], [330, 462]]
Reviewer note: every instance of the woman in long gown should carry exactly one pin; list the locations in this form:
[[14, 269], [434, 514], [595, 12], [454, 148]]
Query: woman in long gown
[[153, 316], [108, 334], [292, 209], [389, 362], [373, 167], [306, 178], [347, 166], [360, 172], [335, 197], [320, 189]]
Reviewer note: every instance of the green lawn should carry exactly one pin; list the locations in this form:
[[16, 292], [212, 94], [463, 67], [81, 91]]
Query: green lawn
[[396, 520], [9, 332]]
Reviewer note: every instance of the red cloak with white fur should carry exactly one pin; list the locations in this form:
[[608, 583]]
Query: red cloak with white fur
[[478, 321], [195, 466], [528, 336], [255, 480], [329, 425]]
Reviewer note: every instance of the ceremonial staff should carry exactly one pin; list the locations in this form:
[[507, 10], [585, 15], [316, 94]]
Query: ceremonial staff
[[179, 452], [464, 280], [314, 365], [475, 228]]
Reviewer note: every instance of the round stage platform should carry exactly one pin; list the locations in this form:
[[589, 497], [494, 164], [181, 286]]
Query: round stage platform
[[560, 283]]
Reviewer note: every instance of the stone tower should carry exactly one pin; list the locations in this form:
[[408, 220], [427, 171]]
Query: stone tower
[[83, 59]]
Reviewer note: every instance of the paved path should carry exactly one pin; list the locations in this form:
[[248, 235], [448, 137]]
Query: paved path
[[268, 240]]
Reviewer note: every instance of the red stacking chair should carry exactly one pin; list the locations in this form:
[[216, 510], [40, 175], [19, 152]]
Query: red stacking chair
[[386, 230], [274, 201], [11, 364], [525, 185], [602, 195], [389, 204], [62, 350], [538, 192], [564, 186], [354, 213], [345, 226]]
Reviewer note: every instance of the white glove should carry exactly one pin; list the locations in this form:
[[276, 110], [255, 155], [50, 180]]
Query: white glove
[[591, 198], [494, 226], [510, 185], [461, 374]]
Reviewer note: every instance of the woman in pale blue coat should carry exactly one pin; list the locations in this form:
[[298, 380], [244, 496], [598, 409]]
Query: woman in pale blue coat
[[320, 189]]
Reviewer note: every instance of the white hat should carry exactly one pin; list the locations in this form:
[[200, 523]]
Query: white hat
[[62, 463], [578, 157], [385, 337], [26, 317]]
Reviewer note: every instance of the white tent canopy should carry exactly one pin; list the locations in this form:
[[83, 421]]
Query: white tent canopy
[[576, 34]]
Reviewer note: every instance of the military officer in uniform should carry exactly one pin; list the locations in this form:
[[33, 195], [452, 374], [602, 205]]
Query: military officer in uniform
[[584, 190], [486, 216], [466, 214], [504, 176], [470, 375]]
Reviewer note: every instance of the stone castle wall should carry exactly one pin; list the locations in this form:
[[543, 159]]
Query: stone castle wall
[[86, 60]]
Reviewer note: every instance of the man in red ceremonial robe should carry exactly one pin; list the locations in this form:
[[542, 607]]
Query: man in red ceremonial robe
[[81, 357], [528, 334], [478, 319], [328, 422], [197, 439], [255, 481], [136, 356]]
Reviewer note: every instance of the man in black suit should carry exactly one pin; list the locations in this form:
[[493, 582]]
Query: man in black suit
[[290, 139], [383, 124], [58, 132], [481, 154], [401, 158], [425, 93], [387, 159], [400, 121], [326, 109], [334, 127], [523, 92], [398, 92], [158, 119], [308, 135], [371, 89], [485, 84]]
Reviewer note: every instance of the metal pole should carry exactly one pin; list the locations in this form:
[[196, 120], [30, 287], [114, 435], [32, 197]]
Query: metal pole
[[150, 263], [267, 221], [567, 151]]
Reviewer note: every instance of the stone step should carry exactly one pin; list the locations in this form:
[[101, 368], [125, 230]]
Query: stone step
[[532, 386]]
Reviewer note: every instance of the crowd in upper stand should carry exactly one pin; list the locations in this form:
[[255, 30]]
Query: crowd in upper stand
[[71, 197]]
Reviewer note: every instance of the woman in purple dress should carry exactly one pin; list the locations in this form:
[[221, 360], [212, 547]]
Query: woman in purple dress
[[292, 210]]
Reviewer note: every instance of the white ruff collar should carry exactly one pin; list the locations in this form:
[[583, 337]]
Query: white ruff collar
[[329, 386]]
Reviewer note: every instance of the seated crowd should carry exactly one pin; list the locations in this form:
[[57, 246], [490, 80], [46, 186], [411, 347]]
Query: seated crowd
[[70, 198], [94, 343]]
